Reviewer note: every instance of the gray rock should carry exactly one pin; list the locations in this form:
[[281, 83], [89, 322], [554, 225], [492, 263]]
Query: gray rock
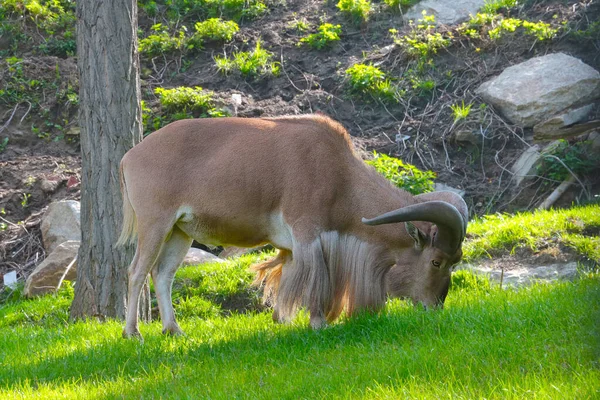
[[529, 92], [526, 165], [557, 122], [53, 270], [468, 136], [594, 138], [446, 12], [61, 223], [198, 256], [526, 276]]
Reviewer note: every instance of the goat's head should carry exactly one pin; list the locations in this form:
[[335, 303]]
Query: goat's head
[[423, 271]]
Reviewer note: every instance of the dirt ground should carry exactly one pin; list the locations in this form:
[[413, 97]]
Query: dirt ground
[[40, 163]]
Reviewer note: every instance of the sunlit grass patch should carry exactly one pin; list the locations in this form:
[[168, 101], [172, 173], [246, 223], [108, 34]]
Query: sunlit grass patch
[[493, 234], [536, 342]]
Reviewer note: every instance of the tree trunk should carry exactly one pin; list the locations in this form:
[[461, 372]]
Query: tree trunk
[[110, 120]]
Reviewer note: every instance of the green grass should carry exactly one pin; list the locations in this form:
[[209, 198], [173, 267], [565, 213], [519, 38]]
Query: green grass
[[540, 342], [537, 230]]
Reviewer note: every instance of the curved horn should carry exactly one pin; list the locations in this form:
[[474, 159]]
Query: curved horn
[[448, 219]]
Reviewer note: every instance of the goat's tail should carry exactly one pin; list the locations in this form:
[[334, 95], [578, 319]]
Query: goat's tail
[[129, 231], [269, 272]]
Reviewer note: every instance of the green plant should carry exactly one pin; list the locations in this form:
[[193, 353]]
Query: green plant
[[492, 6], [460, 111], [254, 63], [161, 42], [403, 175], [25, 200], [422, 41], [576, 158], [541, 30], [357, 10], [216, 29], [368, 79], [327, 34], [301, 25], [3, 144], [504, 25], [497, 25], [179, 103], [236, 10], [183, 99], [397, 5]]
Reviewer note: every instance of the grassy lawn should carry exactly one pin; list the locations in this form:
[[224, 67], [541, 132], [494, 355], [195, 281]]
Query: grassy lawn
[[537, 342]]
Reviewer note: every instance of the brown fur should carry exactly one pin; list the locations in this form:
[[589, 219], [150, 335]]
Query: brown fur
[[295, 182]]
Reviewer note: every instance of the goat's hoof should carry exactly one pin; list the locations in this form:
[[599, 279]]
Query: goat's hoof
[[173, 331], [318, 323], [135, 334]]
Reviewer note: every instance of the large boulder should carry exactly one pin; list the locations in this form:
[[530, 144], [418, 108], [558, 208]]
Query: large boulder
[[46, 277], [61, 223], [447, 12], [530, 92]]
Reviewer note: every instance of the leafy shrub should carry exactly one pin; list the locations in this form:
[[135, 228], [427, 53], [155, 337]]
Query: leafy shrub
[[51, 16], [253, 63], [327, 34], [179, 103], [357, 10], [216, 29], [367, 79], [403, 175], [184, 99], [59, 47], [161, 42], [576, 157]]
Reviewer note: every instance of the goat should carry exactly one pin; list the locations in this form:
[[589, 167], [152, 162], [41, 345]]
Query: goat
[[296, 183]]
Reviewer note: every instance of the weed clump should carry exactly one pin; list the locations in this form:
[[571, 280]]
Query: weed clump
[[258, 62], [328, 33], [179, 103], [357, 10], [368, 79], [216, 29]]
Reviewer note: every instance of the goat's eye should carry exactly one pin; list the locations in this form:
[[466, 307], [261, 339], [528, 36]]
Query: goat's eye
[[435, 263]]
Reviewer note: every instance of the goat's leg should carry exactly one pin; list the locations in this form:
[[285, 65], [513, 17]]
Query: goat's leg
[[169, 260], [148, 248]]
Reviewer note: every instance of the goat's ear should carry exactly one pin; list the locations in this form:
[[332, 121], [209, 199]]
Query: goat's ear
[[419, 237]]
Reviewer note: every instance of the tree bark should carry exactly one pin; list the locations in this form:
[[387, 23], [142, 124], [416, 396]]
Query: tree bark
[[110, 121]]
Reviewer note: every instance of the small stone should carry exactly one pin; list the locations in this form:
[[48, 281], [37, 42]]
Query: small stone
[[198, 256]]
